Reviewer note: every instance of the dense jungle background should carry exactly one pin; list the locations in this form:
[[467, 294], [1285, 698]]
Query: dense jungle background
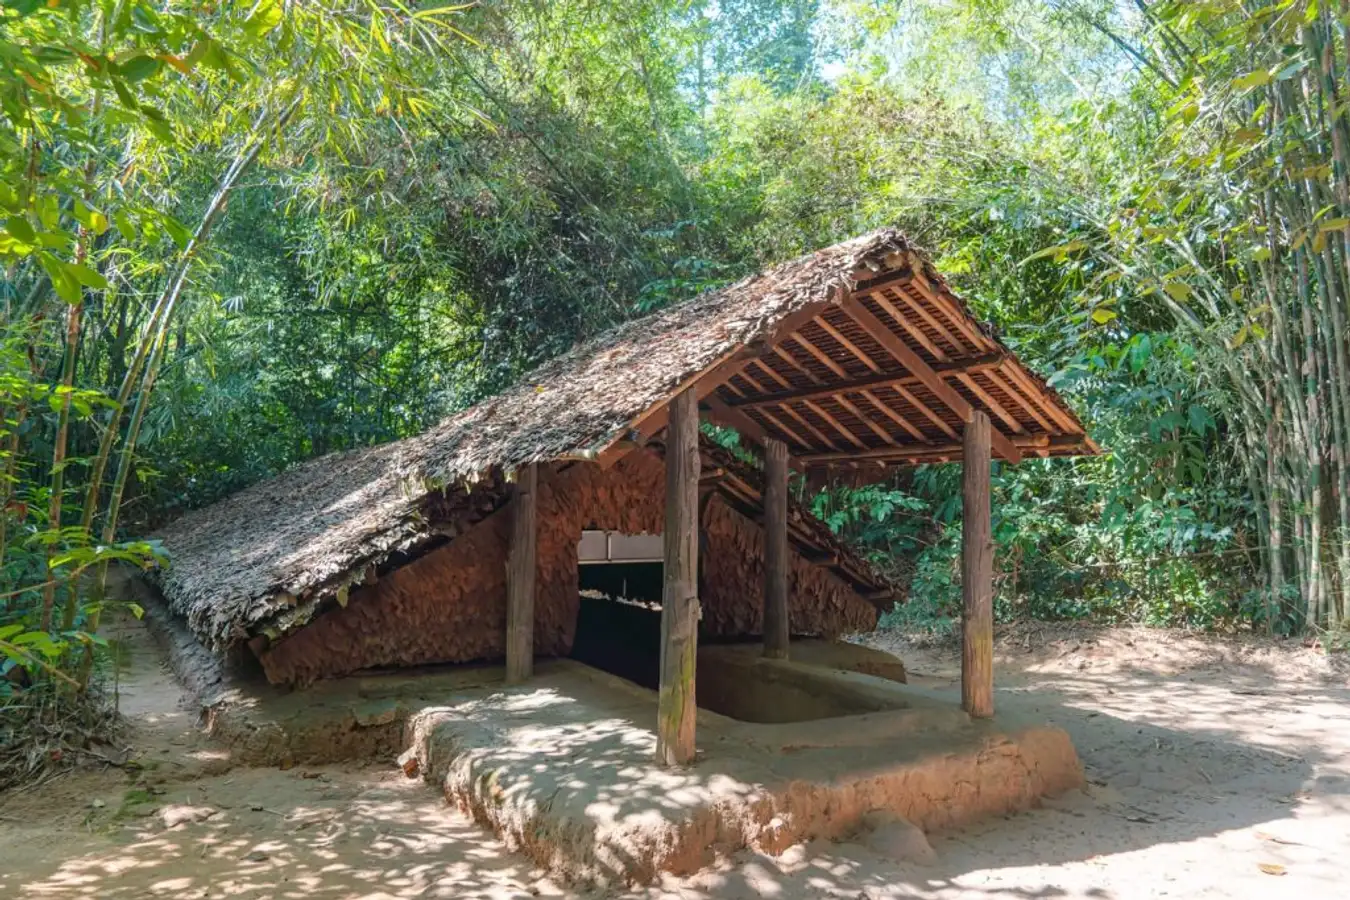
[[235, 236]]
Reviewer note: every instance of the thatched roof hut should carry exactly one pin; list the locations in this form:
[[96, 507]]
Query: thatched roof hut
[[856, 355]]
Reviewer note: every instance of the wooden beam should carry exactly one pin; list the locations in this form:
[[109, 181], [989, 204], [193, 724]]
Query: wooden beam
[[931, 379], [847, 344], [520, 576], [865, 419], [727, 417], [776, 559], [988, 400], [1064, 420], [679, 592], [904, 322], [834, 423], [977, 572], [922, 407], [910, 451], [1005, 384], [820, 435], [821, 356], [894, 416], [884, 379]]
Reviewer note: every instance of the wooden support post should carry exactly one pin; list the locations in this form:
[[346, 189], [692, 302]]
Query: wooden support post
[[776, 561], [679, 591], [520, 569], [977, 572]]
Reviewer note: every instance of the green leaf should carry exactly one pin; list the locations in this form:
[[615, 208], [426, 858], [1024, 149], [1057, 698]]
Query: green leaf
[[177, 230], [139, 68], [1101, 315], [1334, 224], [86, 276], [266, 15], [1251, 80], [65, 285], [1179, 291], [1060, 252], [21, 229]]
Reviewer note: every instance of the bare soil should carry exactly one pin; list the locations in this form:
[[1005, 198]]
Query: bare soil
[[1217, 767]]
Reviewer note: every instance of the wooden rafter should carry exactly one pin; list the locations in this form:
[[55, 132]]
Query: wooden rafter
[[1062, 418], [989, 400], [833, 422], [893, 415], [820, 435], [910, 328], [931, 379], [926, 410], [1006, 386], [933, 321], [884, 379], [820, 355], [914, 451], [847, 344], [865, 419]]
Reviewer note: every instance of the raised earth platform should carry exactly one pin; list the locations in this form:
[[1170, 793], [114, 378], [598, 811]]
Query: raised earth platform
[[561, 767]]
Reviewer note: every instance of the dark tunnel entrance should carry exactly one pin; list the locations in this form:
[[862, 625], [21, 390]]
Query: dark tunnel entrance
[[619, 617]]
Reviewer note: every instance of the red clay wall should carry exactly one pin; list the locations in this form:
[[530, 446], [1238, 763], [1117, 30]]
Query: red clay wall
[[450, 605]]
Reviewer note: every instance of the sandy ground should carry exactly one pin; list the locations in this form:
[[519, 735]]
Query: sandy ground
[[1218, 768]]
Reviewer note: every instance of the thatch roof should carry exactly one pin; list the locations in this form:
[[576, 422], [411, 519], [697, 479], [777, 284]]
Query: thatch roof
[[264, 558]]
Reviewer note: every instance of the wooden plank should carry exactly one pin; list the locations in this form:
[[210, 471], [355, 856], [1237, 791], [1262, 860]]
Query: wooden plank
[[865, 419], [847, 344], [834, 423], [950, 309], [933, 321], [1013, 371], [785, 429], [931, 379], [760, 364], [1006, 385], [679, 591], [894, 416], [904, 452], [724, 415], [821, 356], [820, 435], [977, 572], [988, 400], [922, 407], [913, 330], [776, 559], [792, 361], [520, 576], [884, 379]]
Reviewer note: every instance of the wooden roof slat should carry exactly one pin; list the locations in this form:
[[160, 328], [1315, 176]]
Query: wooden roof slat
[[866, 420], [809, 427], [926, 410], [820, 355], [794, 438], [1015, 373], [792, 361], [949, 310], [847, 344], [1005, 385], [990, 401], [760, 364], [834, 423], [893, 415], [931, 379], [933, 322], [1029, 442], [903, 321], [883, 379]]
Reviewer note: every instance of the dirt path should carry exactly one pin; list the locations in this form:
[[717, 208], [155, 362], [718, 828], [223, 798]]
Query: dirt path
[[1208, 760]]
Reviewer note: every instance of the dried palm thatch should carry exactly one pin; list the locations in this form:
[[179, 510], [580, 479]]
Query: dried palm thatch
[[262, 560]]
